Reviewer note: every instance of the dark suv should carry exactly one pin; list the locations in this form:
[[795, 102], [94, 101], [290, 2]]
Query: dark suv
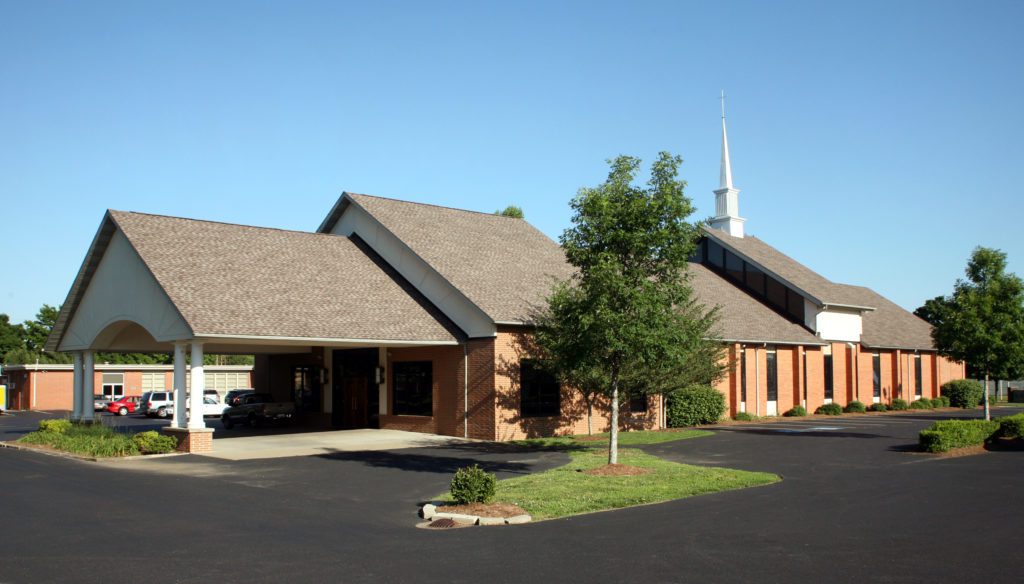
[[234, 397]]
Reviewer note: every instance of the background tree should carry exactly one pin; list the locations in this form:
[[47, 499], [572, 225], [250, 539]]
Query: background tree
[[627, 323], [982, 322], [12, 336], [511, 211]]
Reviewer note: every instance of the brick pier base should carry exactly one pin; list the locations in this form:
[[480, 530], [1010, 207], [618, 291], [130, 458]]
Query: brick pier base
[[194, 440]]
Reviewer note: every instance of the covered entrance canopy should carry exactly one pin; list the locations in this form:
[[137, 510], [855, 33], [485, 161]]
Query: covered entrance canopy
[[162, 284]]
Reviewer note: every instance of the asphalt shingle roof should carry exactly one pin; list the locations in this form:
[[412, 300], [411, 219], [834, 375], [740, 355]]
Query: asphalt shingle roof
[[741, 316], [889, 325], [789, 270], [240, 280], [504, 266]]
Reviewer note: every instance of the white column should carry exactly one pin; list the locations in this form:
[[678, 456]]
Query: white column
[[77, 393], [195, 416], [179, 385], [88, 385]]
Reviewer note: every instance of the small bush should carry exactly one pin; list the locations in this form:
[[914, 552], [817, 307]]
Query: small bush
[[1012, 426], [55, 426], [963, 393], [921, 404], [945, 401], [832, 409], [695, 405], [152, 442], [936, 403], [796, 412], [473, 484], [879, 407], [899, 404], [947, 434], [744, 417], [855, 407]]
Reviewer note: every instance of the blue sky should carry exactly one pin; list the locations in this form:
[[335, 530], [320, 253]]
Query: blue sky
[[876, 142]]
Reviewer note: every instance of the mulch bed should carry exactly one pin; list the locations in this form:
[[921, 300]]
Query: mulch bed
[[485, 509], [617, 470]]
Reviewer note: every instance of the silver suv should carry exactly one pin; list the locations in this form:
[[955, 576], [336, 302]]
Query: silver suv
[[157, 403]]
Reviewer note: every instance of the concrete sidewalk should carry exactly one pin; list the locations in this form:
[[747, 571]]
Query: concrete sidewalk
[[313, 443]]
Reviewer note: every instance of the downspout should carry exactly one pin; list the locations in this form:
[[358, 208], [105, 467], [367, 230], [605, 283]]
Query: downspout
[[465, 390]]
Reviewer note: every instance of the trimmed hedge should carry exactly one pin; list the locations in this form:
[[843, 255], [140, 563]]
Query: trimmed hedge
[[744, 417], [473, 484], [152, 442], [899, 404], [795, 412], [922, 404], [695, 405], [1012, 426], [55, 426], [832, 409], [855, 407], [936, 403], [947, 434], [879, 407], [963, 393]]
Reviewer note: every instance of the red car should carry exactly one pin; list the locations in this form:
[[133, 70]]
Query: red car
[[124, 406]]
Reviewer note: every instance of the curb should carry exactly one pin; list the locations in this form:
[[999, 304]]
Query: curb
[[430, 513]]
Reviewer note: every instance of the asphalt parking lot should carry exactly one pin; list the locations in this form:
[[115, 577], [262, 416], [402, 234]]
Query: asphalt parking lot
[[854, 506]]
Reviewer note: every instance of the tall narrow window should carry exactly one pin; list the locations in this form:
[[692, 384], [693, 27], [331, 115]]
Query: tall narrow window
[[876, 375], [638, 404], [772, 372], [539, 394], [414, 388], [917, 376], [305, 389], [829, 387], [743, 375]]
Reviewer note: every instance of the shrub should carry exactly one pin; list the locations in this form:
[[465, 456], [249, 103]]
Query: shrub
[[473, 484], [921, 404], [85, 439], [55, 426], [947, 434], [855, 407], [937, 403], [1012, 426], [832, 409], [796, 412], [152, 442], [695, 405], [744, 417], [963, 393], [900, 404], [879, 407], [945, 401]]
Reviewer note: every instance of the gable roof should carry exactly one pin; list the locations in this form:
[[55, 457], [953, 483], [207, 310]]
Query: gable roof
[[815, 286], [503, 265], [236, 280], [742, 318], [890, 326]]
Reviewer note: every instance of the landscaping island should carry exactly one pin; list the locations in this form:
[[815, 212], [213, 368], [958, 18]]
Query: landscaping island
[[96, 440]]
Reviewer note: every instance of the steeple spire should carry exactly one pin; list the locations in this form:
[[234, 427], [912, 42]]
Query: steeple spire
[[727, 205]]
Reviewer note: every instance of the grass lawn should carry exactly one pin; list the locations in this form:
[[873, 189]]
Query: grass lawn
[[625, 439], [568, 491]]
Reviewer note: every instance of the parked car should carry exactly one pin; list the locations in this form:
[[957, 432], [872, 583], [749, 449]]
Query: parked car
[[255, 409], [211, 393], [157, 403], [100, 402], [234, 397], [124, 406], [211, 407]]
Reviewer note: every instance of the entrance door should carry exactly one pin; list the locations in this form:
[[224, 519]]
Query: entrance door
[[353, 390]]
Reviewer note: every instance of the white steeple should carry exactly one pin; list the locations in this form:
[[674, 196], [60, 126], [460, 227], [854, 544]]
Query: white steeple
[[727, 203]]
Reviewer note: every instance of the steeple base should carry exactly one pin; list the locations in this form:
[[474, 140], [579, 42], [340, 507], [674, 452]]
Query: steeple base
[[731, 225]]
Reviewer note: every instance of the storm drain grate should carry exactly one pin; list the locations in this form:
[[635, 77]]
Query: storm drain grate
[[443, 523]]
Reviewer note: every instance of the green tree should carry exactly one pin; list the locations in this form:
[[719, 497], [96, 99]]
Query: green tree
[[511, 211], [627, 324], [982, 322], [12, 336]]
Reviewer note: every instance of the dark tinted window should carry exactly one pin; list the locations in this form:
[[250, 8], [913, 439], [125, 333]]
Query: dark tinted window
[[776, 293], [755, 279], [876, 375], [772, 372], [414, 388], [743, 375], [795, 305], [734, 266], [828, 377], [714, 254], [539, 394], [917, 375], [638, 403]]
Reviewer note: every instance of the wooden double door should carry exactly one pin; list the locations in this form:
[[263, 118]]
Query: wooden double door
[[354, 394]]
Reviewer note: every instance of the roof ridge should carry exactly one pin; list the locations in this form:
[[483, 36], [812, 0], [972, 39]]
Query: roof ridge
[[433, 205], [229, 223]]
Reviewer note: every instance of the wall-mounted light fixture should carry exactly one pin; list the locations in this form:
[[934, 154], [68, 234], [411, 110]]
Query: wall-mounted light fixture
[[378, 374]]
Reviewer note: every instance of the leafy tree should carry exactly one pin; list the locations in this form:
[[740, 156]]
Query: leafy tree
[[511, 211], [982, 322], [11, 335], [627, 324], [36, 331]]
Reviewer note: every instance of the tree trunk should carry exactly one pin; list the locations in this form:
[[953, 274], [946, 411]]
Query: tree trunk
[[590, 416], [613, 446], [988, 413]]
